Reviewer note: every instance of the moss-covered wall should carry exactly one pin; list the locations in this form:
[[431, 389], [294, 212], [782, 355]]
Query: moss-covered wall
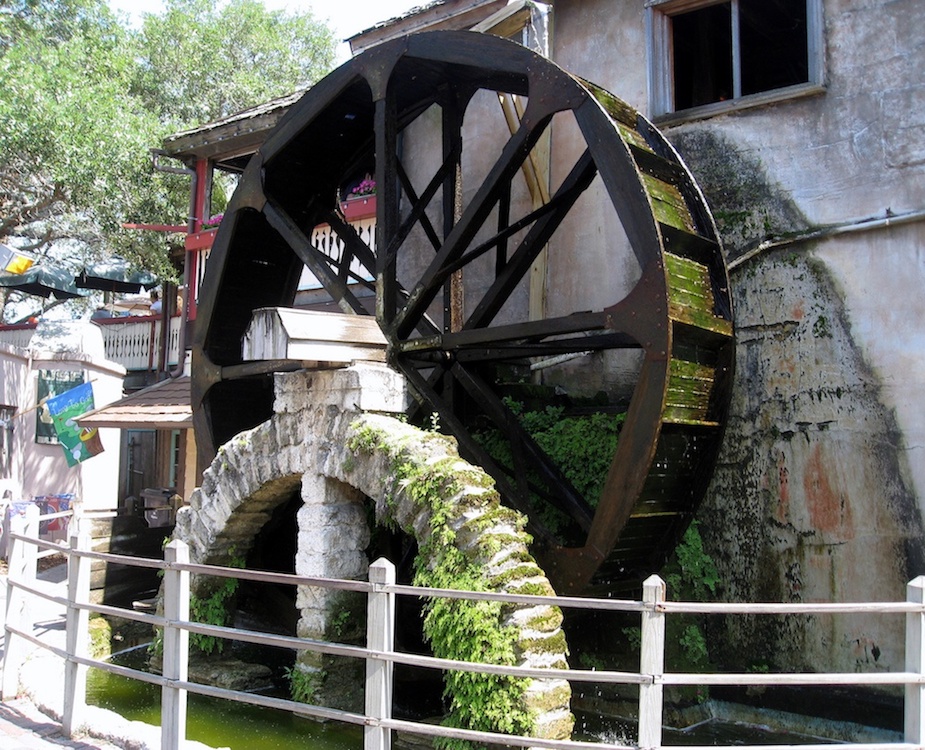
[[819, 492], [811, 499]]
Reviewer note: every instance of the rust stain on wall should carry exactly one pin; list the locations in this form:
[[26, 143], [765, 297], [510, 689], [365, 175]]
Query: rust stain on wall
[[829, 510], [783, 478]]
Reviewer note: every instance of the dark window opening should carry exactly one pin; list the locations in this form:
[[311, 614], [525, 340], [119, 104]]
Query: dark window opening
[[703, 56], [773, 42], [723, 51]]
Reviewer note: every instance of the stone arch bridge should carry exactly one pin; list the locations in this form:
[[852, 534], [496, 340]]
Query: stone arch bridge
[[332, 445]]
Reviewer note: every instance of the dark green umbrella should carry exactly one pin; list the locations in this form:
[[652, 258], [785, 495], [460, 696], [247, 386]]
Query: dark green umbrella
[[43, 281], [114, 276]]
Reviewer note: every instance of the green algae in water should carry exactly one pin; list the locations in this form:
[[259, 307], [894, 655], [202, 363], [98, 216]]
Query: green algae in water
[[220, 723]]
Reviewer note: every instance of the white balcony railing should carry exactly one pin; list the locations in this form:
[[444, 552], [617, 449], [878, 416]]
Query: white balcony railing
[[133, 343], [329, 243], [19, 335]]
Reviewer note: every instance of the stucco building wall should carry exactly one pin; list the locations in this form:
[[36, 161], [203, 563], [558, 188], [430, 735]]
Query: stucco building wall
[[41, 469], [818, 493]]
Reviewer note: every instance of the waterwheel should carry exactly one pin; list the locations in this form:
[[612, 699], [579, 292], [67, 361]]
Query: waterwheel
[[447, 274]]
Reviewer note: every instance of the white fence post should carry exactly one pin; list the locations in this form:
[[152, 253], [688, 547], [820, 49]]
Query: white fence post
[[915, 662], [652, 663], [22, 569], [78, 631], [176, 647], [380, 636]]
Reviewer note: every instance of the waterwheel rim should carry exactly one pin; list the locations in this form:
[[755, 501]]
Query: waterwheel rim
[[676, 312]]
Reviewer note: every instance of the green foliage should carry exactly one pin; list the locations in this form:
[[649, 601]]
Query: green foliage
[[341, 622], [470, 631], [694, 644], [303, 684], [73, 142], [201, 61], [214, 608], [581, 446], [690, 575], [85, 97], [456, 629]]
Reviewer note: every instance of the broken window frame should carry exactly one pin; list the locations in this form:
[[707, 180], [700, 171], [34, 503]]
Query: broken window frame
[[659, 14]]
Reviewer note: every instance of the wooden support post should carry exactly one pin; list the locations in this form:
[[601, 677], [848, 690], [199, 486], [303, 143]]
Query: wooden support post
[[380, 636], [915, 662], [78, 632], [176, 647], [22, 569], [652, 663]]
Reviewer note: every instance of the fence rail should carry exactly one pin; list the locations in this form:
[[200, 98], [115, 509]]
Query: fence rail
[[379, 654]]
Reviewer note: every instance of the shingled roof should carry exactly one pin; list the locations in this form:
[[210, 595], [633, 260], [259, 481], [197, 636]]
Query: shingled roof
[[162, 406]]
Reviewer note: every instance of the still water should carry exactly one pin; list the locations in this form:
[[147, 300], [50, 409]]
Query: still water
[[222, 723], [216, 722]]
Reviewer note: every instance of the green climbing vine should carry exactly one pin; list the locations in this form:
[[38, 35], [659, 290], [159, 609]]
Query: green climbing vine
[[214, 608], [457, 628], [690, 575]]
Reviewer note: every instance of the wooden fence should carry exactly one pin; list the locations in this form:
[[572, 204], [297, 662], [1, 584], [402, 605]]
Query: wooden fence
[[380, 655]]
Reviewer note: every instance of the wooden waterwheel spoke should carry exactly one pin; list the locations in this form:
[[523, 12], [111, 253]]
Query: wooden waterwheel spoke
[[311, 256], [419, 205], [549, 219], [352, 244], [567, 499], [507, 483], [516, 351], [517, 333], [515, 151], [510, 352], [545, 221]]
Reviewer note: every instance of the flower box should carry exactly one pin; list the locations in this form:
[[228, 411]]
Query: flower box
[[359, 207], [201, 240]]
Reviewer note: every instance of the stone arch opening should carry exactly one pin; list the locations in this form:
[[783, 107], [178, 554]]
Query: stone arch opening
[[324, 444], [274, 548]]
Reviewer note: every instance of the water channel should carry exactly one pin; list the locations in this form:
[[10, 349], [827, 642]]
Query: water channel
[[222, 723]]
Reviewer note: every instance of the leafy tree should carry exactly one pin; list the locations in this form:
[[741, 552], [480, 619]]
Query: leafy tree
[[73, 144], [201, 62], [83, 98]]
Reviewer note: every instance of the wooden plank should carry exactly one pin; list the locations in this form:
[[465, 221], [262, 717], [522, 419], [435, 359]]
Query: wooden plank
[[688, 244], [380, 637], [176, 648], [688, 395], [77, 634], [279, 333], [699, 319], [668, 204]]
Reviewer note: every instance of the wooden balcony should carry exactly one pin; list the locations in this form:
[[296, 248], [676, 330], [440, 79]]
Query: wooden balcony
[[131, 342]]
